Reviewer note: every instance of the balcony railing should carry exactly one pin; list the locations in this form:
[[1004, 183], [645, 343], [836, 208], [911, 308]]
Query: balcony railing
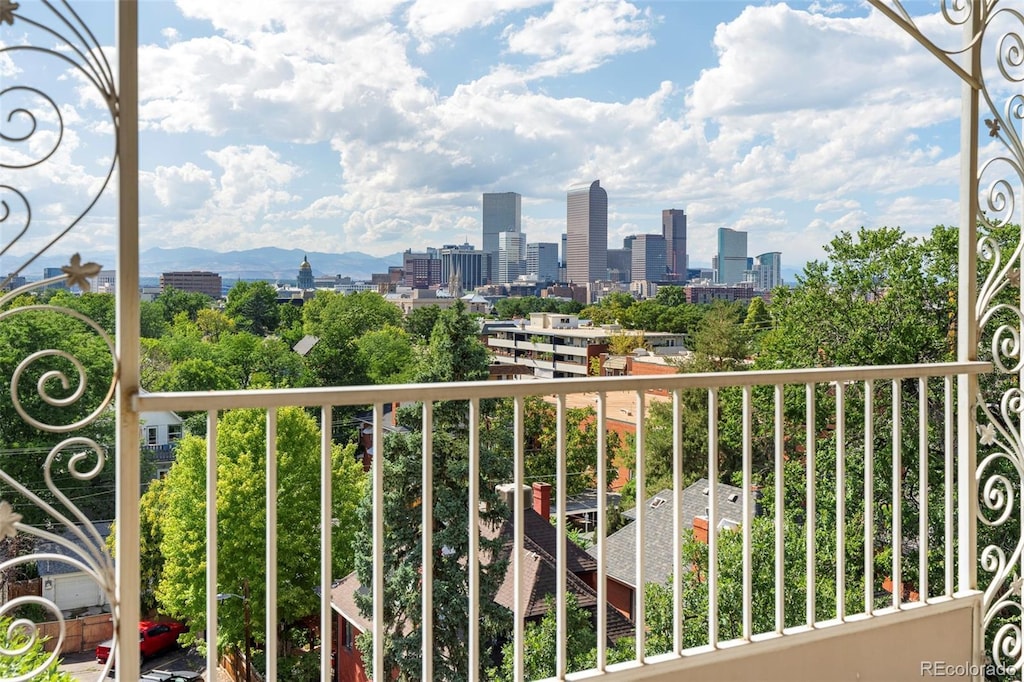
[[888, 426]]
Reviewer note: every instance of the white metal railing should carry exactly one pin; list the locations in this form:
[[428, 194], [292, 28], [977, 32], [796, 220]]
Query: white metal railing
[[873, 388]]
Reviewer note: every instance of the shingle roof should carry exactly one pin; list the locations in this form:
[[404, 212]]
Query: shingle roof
[[539, 576], [56, 567], [620, 547]]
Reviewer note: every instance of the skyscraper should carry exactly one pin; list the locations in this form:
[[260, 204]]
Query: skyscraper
[[731, 261], [587, 233], [673, 229], [465, 261], [542, 261], [649, 256], [511, 256], [502, 212], [768, 271]]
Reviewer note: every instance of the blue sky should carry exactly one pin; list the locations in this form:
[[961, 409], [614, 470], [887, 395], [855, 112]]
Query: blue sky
[[375, 126]]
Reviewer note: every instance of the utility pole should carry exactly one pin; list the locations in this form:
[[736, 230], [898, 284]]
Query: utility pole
[[248, 641]]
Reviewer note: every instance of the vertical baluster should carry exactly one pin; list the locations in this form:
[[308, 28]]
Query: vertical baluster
[[377, 474], [869, 497], [271, 587], [840, 500], [948, 474], [677, 521], [713, 517], [427, 576], [326, 530], [809, 521], [211, 540], [780, 517], [473, 560], [922, 494], [602, 532], [519, 631], [561, 657], [748, 518], [126, 337], [641, 526], [897, 497]]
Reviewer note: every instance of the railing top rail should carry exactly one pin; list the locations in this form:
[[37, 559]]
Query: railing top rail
[[366, 395]]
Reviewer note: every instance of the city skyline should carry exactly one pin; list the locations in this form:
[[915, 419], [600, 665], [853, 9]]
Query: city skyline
[[782, 120]]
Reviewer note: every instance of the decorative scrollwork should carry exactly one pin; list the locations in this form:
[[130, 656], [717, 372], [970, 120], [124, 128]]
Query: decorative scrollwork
[[32, 128], [998, 40], [53, 390]]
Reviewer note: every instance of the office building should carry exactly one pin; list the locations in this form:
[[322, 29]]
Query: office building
[[542, 261], [587, 230], [511, 256], [768, 271], [673, 229], [467, 262], [197, 281], [731, 260], [502, 212], [422, 270], [649, 257], [620, 265]]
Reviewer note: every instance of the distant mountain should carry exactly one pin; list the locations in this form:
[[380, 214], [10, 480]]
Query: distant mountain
[[270, 263]]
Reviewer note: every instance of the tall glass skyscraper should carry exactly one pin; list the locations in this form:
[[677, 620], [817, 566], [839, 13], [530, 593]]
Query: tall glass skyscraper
[[587, 233], [673, 229], [502, 212], [649, 257], [732, 256], [768, 271]]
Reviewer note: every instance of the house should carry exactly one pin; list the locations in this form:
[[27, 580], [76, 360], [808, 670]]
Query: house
[[73, 591], [159, 433], [620, 547], [539, 579]]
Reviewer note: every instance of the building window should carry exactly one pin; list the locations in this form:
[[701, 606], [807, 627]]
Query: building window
[[346, 634], [151, 435], [173, 432]]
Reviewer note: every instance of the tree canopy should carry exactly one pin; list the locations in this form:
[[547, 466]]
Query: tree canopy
[[241, 448]]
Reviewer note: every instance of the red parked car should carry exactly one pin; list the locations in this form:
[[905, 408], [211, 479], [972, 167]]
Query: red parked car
[[154, 638]]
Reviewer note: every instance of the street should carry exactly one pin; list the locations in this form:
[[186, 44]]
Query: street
[[84, 667]]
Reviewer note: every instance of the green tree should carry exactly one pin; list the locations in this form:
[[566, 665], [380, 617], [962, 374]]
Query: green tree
[[175, 302], [241, 451], [757, 321], [419, 323], [25, 447], [541, 638], [877, 300], [33, 659], [195, 375], [540, 431], [720, 342], [253, 307], [455, 354], [338, 320], [388, 355]]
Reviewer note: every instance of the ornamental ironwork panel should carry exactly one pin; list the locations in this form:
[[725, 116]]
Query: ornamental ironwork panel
[[989, 58], [59, 364]]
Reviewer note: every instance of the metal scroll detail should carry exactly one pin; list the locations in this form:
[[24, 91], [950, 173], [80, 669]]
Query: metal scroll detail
[[1000, 471], [54, 391], [996, 40]]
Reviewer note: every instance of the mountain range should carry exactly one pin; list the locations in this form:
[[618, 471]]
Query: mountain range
[[270, 263]]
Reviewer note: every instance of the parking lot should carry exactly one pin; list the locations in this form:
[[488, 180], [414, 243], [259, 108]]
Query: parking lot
[[83, 666]]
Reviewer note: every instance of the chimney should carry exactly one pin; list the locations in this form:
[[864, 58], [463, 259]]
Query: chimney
[[542, 499], [700, 529], [507, 493]]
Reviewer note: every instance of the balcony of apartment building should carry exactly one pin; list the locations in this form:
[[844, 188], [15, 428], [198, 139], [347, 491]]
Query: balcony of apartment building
[[891, 525]]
